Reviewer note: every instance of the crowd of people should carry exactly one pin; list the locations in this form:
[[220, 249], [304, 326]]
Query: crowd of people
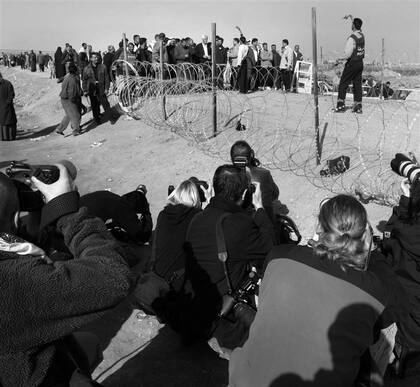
[[67, 259], [89, 73], [28, 60]]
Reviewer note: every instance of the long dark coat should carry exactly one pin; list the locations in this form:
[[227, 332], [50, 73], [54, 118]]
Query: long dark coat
[[32, 61], [7, 111], [60, 70]]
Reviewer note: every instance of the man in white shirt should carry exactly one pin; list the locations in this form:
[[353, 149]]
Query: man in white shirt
[[286, 64], [242, 64], [233, 53]]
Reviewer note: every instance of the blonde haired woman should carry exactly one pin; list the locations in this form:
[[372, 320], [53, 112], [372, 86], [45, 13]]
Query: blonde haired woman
[[171, 227]]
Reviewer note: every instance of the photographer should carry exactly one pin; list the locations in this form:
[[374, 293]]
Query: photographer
[[183, 204], [243, 155], [248, 240], [320, 306], [401, 244], [127, 216], [43, 302]]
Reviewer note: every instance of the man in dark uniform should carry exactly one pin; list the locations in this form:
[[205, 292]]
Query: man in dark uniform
[[355, 52]]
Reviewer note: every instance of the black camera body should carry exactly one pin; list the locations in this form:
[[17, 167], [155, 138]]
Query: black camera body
[[240, 161], [47, 174], [240, 301]]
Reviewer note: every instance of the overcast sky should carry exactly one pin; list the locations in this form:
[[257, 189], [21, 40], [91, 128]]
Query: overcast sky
[[44, 25]]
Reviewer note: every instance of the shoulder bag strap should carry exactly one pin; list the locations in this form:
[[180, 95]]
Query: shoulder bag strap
[[222, 253]]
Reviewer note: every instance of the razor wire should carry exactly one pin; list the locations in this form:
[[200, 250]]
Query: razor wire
[[279, 126]]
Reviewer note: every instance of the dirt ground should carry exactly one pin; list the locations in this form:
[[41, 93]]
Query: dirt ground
[[138, 350]]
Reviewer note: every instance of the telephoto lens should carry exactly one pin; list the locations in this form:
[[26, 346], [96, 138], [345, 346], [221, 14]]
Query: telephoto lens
[[405, 167]]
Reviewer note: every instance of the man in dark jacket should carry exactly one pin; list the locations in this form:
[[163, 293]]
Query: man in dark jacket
[[143, 54], [402, 246], [42, 302], [221, 53], [8, 118], [276, 67], [96, 85], [248, 240], [120, 212], [203, 50], [243, 155]]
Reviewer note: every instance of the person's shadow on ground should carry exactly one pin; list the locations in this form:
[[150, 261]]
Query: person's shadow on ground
[[32, 135], [165, 361]]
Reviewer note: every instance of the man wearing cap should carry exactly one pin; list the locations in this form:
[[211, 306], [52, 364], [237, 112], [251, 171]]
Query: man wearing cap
[[354, 54]]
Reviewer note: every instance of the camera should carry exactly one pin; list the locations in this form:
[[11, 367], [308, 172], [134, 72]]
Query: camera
[[21, 173], [240, 301], [240, 161], [406, 167], [48, 174]]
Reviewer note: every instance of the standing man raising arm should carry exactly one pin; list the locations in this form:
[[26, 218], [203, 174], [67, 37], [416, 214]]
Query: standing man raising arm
[[354, 54]]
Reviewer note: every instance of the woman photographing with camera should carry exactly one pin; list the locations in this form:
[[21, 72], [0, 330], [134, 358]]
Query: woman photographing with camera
[[318, 305]]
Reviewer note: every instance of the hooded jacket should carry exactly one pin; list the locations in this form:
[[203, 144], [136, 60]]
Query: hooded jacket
[[171, 228], [42, 302]]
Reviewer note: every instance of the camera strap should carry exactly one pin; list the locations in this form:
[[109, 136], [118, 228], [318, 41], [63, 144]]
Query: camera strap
[[222, 253]]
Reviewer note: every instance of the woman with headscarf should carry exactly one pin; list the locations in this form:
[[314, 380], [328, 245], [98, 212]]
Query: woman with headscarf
[[7, 111], [59, 67], [32, 61]]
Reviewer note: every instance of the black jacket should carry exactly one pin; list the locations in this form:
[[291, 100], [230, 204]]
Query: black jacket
[[171, 229], [111, 207], [89, 80], [108, 59], [199, 53], [144, 55], [248, 240], [42, 301], [221, 55], [402, 246]]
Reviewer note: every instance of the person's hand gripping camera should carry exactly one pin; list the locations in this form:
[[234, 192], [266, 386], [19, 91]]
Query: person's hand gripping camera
[[63, 185]]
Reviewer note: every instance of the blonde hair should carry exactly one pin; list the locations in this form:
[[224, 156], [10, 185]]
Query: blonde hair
[[187, 194], [344, 235]]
